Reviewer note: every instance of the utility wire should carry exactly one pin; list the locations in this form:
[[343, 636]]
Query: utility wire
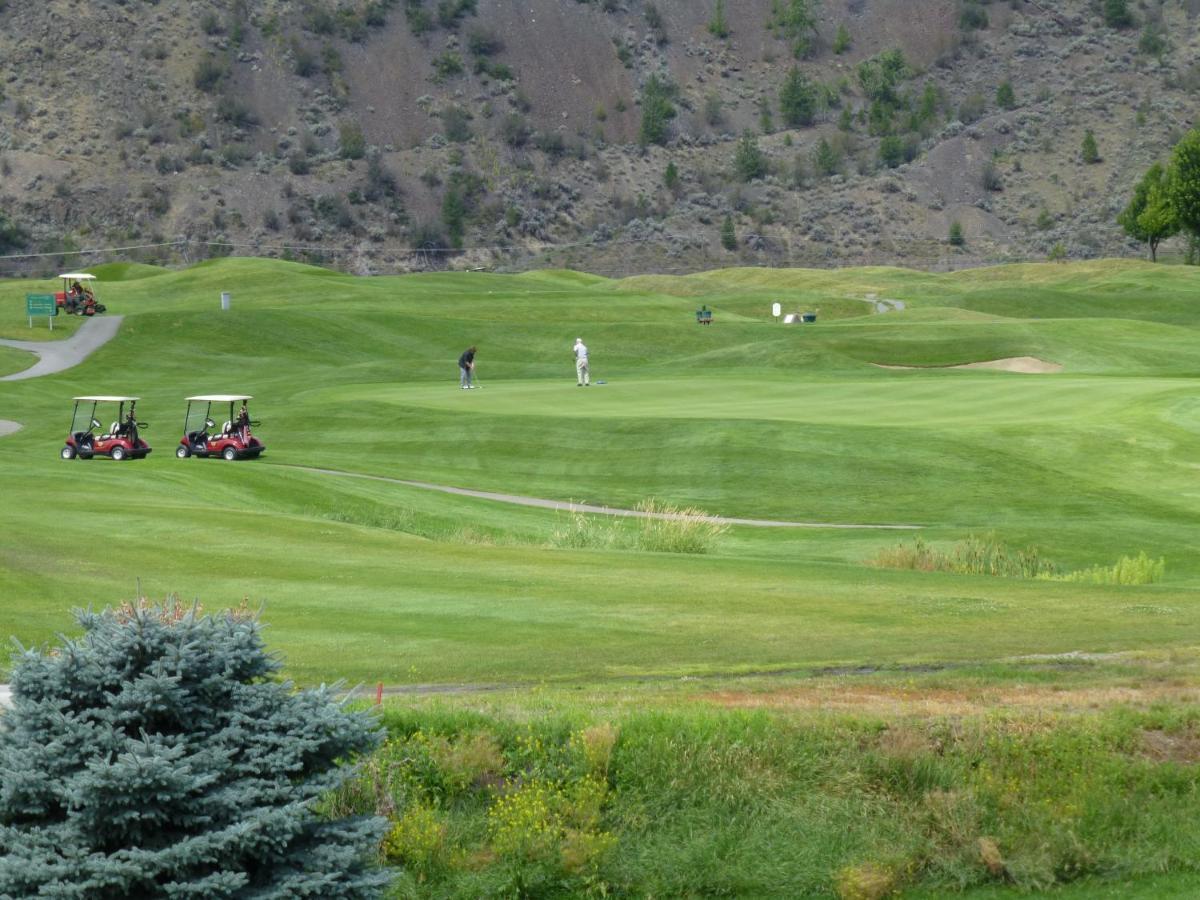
[[96, 250]]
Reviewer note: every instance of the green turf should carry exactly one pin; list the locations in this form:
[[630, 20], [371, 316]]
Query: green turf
[[14, 360], [743, 418], [373, 581]]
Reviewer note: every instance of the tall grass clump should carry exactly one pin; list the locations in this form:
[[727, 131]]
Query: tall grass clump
[[671, 529], [492, 809], [664, 528], [973, 556], [581, 532], [704, 802], [1140, 569]]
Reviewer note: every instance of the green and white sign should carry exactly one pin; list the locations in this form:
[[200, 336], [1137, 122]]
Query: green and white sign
[[41, 305]]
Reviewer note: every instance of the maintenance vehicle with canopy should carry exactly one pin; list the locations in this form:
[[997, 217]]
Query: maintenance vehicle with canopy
[[78, 296]]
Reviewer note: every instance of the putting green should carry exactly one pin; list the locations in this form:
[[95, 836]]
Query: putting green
[[969, 401]]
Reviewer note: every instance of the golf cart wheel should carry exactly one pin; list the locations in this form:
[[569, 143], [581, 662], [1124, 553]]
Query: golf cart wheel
[[119, 453], [67, 452], [229, 453], [182, 452]]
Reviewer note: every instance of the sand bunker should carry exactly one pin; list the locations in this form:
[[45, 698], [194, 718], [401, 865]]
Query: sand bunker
[[7, 426], [1027, 365]]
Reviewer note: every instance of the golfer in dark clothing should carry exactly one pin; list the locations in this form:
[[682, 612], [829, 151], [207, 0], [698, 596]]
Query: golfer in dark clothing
[[466, 365]]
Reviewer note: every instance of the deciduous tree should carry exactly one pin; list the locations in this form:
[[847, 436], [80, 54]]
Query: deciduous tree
[[1150, 217], [1184, 192]]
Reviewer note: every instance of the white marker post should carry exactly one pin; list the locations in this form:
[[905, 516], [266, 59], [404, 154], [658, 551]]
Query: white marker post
[[776, 309]]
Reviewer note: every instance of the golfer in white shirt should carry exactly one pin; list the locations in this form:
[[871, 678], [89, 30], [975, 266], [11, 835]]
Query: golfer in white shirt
[[581, 363]]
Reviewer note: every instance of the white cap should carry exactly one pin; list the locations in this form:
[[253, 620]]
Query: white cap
[[579, 340]]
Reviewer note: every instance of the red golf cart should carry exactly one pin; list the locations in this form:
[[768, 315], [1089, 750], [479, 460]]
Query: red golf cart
[[233, 440], [122, 439], [78, 296]]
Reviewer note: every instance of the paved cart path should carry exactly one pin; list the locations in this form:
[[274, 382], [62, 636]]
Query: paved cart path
[[588, 508], [58, 356]]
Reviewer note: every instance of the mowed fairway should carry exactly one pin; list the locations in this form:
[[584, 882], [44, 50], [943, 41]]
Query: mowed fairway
[[372, 580]]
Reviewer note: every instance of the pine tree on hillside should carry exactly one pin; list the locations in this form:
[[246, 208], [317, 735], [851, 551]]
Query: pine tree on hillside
[[11, 235], [671, 176], [797, 100], [159, 755], [825, 158], [841, 41], [748, 160], [454, 215], [1006, 98], [1117, 14], [657, 110], [728, 235], [718, 25], [796, 22]]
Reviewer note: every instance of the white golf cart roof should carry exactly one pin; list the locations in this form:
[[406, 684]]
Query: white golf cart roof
[[220, 398], [107, 399], [78, 276]]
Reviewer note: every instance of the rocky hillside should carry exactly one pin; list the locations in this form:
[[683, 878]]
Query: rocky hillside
[[611, 135]]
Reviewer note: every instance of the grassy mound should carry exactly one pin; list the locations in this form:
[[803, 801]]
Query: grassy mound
[[125, 271]]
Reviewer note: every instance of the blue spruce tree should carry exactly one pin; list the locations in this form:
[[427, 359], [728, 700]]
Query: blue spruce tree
[[159, 755]]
